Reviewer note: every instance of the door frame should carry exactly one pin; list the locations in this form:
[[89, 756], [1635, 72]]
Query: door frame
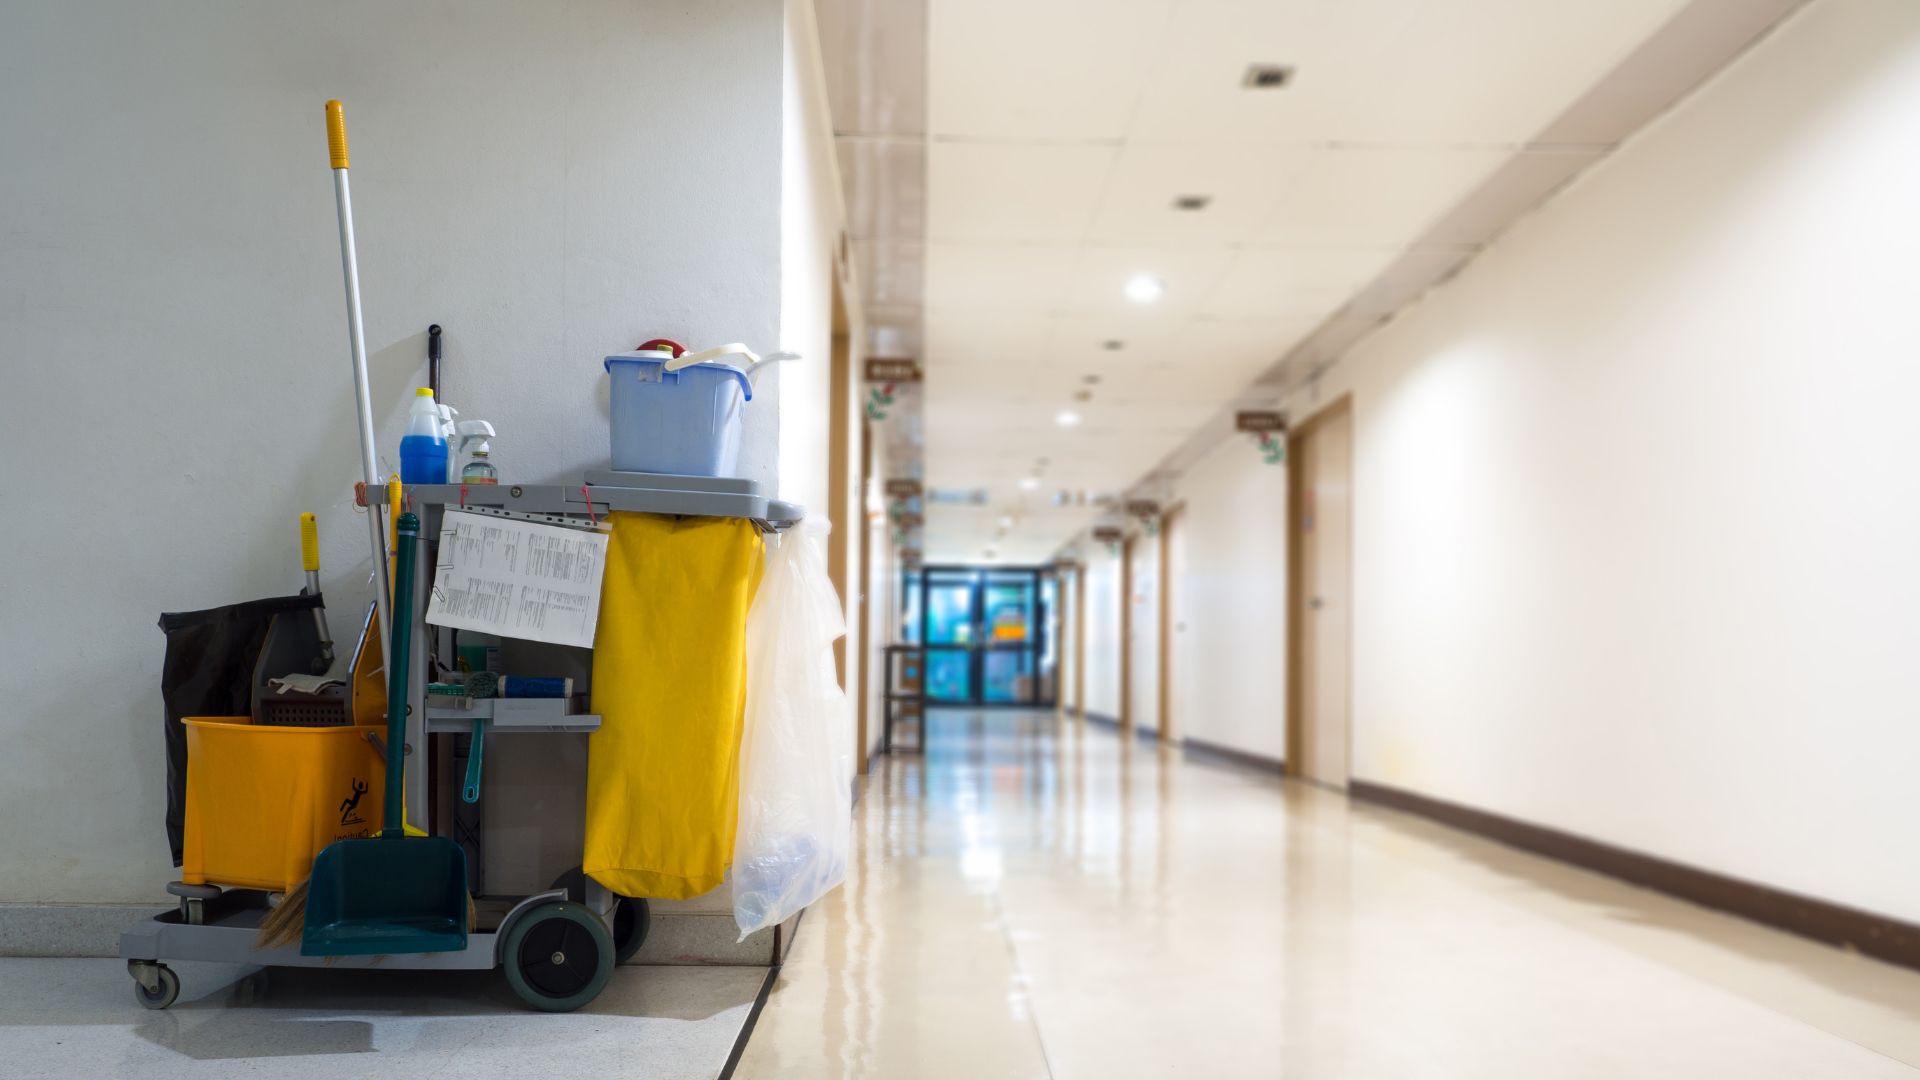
[[1080, 640], [1126, 637], [1035, 646], [1296, 596], [1165, 600]]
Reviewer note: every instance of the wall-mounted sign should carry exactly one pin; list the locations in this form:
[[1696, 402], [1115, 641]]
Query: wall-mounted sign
[[1143, 508], [1108, 534], [903, 489], [893, 371], [1260, 421]]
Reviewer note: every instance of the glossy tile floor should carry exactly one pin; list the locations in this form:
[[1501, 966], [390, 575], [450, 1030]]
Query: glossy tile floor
[[1034, 899], [77, 1018]]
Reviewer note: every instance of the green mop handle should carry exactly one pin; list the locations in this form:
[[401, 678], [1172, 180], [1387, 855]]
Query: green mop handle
[[408, 528]]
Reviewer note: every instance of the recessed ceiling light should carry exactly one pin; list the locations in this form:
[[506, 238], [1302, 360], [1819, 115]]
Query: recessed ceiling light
[[1091, 380], [1029, 483], [1113, 344], [1267, 76], [1066, 418], [1145, 288], [1191, 202]]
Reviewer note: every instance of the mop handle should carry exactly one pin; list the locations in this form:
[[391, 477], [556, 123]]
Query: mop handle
[[363, 397], [409, 532]]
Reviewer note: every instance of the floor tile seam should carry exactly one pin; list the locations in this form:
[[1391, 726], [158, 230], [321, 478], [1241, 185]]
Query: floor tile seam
[[1003, 921]]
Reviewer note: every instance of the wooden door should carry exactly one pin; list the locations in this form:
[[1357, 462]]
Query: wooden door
[[1173, 623], [1321, 460]]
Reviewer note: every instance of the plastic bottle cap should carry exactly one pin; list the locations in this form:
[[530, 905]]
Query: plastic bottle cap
[[424, 391]]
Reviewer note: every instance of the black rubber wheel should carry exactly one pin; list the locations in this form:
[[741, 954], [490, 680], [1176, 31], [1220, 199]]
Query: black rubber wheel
[[558, 956], [162, 995], [630, 920], [631, 916]]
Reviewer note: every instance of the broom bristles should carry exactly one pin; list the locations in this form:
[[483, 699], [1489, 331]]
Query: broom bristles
[[285, 924]]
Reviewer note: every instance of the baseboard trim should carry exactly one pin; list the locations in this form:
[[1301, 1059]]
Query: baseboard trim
[[1879, 936], [1143, 734], [1214, 753], [69, 929]]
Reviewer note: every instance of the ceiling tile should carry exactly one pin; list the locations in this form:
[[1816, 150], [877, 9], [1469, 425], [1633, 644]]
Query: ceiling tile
[[1020, 193], [887, 184], [1279, 283], [1195, 94], [993, 340], [1477, 71], [1100, 278], [1244, 183], [891, 275], [1245, 347], [1374, 196], [1057, 69], [992, 281]]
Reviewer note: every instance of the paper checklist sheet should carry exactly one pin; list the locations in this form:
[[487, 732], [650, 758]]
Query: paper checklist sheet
[[518, 579]]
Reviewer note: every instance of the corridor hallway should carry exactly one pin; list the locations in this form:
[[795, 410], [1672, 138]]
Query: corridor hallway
[[1039, 898]]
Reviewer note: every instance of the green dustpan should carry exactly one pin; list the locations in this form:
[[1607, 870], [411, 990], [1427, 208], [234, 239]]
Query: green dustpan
[[391, 893]]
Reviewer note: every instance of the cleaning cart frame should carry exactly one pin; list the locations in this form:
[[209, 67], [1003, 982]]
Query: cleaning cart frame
[[211, 923]]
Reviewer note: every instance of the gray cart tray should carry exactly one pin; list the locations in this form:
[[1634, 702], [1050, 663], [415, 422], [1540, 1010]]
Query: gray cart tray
[[606, 490]]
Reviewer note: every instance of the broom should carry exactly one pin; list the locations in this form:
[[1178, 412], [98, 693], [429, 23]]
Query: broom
[[287, 922]]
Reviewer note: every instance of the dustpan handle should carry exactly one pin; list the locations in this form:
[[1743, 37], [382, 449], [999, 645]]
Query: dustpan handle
[[408, 530]]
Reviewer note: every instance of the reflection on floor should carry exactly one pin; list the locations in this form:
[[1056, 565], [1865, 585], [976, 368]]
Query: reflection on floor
[[1036, 899], [77, 1018]]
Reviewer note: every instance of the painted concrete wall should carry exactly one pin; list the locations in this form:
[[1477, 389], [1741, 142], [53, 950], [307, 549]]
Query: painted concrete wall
[[811, 220], [1103, 632], [1229, 571], [1634, 499], [549, 182]]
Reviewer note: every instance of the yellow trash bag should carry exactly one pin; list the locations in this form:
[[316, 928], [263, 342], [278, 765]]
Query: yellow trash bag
[[669, 683]]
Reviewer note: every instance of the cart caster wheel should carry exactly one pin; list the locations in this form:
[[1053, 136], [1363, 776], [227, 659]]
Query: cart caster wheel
[[631, 916], [166, 988], [630, 922], [558, 956]]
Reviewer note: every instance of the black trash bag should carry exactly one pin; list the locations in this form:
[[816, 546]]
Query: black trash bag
[[209, 672]]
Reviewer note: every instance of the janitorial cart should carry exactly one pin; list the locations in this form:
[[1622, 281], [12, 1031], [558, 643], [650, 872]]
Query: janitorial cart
[[311, 801]]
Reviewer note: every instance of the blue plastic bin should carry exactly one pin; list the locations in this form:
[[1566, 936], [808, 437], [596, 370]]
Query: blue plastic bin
[[684, 422]]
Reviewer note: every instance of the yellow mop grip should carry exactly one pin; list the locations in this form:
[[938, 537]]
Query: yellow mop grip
[[393, 523], [309, 543], [336, 135]]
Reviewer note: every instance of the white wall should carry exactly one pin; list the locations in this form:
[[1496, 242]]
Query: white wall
[[809, 229], [1636, 526], [1229, 565], [811, 218], [549, 182], [1070, 630], [1103, 632]]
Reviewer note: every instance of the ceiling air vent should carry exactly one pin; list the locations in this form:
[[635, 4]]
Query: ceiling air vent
[[1267, 76], [1192, 202]]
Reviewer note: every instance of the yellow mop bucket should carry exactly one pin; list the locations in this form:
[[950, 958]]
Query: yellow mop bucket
[[263, 801]]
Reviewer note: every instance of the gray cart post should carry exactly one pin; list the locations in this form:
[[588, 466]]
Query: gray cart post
[[221, 925]]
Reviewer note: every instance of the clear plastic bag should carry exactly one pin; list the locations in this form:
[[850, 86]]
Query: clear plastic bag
[[796, 754]]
